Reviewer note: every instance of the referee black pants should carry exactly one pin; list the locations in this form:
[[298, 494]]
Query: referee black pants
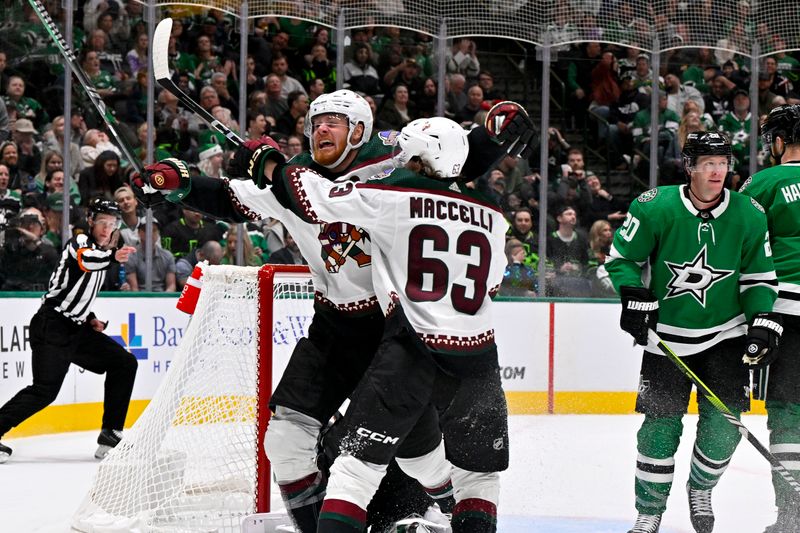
[[57, 342]]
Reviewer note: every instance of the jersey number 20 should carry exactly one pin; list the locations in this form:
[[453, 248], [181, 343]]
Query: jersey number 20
[[436, 269], [629, 227]]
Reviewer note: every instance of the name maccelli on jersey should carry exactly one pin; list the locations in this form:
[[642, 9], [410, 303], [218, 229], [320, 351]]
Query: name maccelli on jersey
[[438, 209]]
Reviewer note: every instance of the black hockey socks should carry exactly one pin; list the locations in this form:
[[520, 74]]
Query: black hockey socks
[[303, 499], [339, 516], [474, 515], [443, 496]]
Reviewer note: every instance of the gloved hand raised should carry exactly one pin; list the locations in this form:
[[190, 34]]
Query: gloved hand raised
[[512, 127], [763, 338], [249, 159], [639, 312], [165, 176]]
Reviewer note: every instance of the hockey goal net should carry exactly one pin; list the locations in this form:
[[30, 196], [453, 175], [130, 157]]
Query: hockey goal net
[[194, 460]]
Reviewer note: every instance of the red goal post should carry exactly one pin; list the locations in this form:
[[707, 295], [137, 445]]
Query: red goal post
[[266, 281]]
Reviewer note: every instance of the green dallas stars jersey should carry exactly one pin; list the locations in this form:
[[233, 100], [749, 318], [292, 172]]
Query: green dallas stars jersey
[[711, 271], [778, 190]]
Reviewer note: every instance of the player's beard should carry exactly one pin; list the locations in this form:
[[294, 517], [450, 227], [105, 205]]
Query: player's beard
[[329, 154]]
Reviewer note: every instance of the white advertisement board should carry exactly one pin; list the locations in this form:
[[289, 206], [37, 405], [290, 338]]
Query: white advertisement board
[[589, 352]]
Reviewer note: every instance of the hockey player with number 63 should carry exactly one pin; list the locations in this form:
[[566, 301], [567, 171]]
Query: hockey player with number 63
[[438, 257], [777, 189], [710, 295], [324, 368]]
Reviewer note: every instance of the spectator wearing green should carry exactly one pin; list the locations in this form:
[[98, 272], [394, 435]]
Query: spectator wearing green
[[787, 65], [52, 214], [736, 124], [668, 120], [24, 106]]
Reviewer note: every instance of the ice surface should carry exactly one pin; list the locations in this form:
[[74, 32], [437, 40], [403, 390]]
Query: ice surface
[[569, 473]]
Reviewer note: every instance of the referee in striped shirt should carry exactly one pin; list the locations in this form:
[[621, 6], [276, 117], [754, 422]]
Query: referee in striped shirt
[[64, 330]]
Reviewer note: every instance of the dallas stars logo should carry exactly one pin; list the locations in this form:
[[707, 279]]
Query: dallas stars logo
[[695, 278]]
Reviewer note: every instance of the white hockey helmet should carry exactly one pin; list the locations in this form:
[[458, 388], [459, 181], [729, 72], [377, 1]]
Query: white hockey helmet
[[346, 103], [440, 143]]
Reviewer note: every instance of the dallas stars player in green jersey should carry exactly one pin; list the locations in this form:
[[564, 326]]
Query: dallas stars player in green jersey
[[710, 272], [778, 190]]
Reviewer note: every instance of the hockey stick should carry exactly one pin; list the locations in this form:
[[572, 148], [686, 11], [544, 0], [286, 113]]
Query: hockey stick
[[160, 54], [777, 465], [108, 117], [66, 51]]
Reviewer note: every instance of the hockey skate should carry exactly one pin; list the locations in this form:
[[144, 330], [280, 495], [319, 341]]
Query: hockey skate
[[107, 439], [417, 524], [435, 515], [5, 453], [646, 523], [788, 522], [700, 509], [276, 522]]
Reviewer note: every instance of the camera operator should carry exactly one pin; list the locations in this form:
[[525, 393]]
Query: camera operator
[[9, 201], [572, 188], [26, 261]]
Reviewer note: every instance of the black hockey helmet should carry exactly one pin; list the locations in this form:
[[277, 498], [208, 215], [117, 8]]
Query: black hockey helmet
[[784, 122], [704, 143], [103, 206]]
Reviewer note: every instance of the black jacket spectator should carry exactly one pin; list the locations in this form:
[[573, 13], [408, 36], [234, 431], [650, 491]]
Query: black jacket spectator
[[359, 74], [26, 261], [101, 179], [184, 235]]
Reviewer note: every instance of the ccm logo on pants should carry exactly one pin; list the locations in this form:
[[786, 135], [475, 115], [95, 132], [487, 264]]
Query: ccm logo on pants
[[377, 437]]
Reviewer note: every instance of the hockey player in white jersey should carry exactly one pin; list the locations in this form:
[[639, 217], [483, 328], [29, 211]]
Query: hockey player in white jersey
[[347, 325], [438, 258]]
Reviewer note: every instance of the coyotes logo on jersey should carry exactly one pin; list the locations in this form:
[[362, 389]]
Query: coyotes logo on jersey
[[339, 241]]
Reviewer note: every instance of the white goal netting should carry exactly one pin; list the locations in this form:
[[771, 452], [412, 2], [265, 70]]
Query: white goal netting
[[194, 460]]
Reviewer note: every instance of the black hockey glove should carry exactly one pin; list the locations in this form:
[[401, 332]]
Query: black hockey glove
[[509, 124], [639, 312], [763, 337], [249, 159]]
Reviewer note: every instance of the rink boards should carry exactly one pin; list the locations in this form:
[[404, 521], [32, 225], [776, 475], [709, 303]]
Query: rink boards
[[555, 357]]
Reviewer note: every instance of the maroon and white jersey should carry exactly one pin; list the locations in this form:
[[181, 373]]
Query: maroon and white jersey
[[338, 254], [437, 247]]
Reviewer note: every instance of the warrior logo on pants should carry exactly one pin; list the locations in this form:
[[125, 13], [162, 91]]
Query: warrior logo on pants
[[339, 241]]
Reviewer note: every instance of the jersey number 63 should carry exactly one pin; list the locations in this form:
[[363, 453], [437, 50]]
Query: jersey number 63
[[437, 273]]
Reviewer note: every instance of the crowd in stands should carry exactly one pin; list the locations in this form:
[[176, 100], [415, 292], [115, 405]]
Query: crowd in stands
[[291, 62]]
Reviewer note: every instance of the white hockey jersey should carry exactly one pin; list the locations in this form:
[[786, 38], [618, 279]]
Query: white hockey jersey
[[338, 254], [437, 249]]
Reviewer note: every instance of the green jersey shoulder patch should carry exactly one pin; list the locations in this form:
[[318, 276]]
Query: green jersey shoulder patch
[[756, 204], [646, 196], [747, 182]]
